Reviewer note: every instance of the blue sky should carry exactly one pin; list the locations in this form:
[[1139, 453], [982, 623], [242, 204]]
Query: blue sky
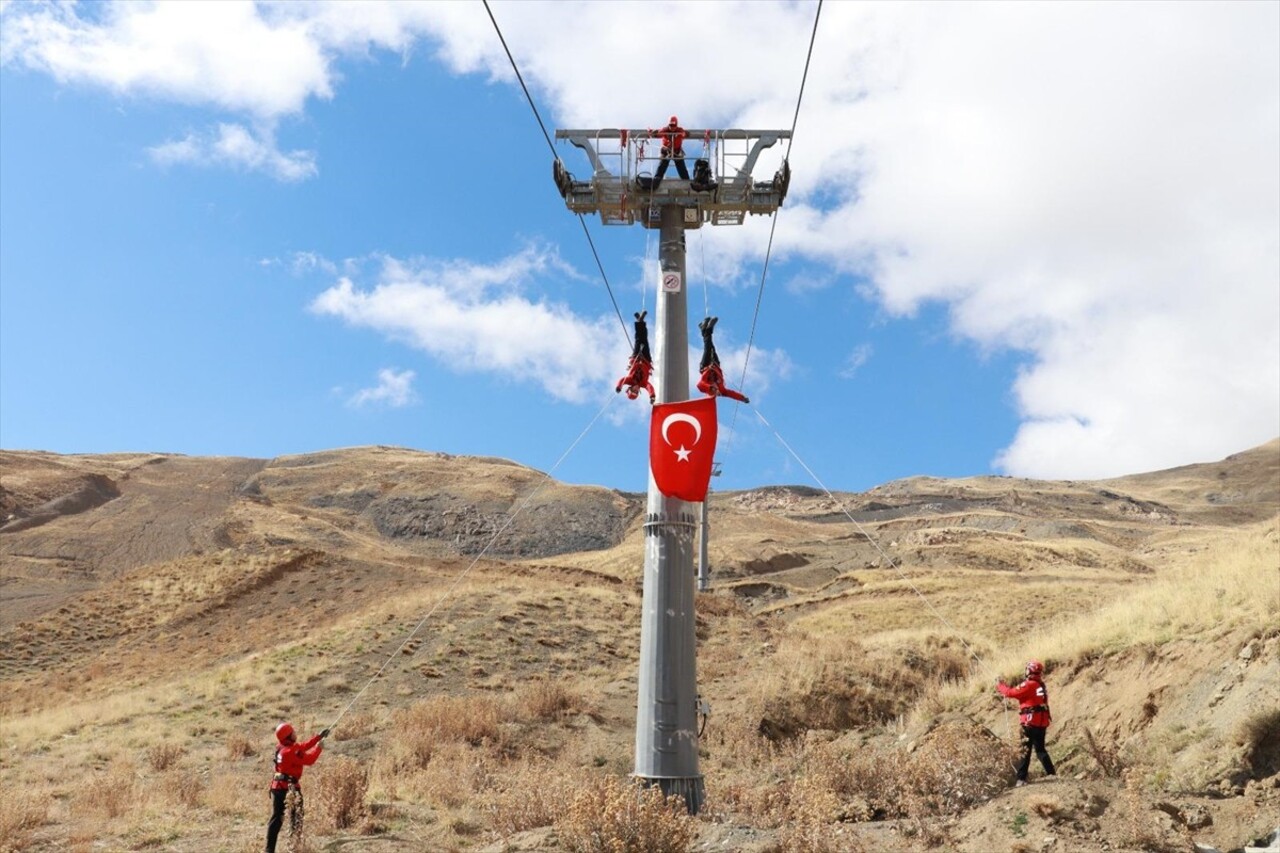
[[1038, 239]]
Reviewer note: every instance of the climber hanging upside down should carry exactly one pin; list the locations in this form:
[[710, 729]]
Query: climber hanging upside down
[[712, 380], [641, 364]]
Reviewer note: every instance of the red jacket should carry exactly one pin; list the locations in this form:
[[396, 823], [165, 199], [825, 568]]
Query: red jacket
[[712, 384], [291, 758], [1033, 702], [637, 377], [672, 139]]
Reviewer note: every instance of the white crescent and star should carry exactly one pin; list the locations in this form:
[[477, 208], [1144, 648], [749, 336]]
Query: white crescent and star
[[682, 454]]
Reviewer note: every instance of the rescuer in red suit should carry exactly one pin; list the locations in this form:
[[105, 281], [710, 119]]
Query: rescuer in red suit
[[291, 758], [711, 382], [672, 136], [641, 364], [1033, 715]]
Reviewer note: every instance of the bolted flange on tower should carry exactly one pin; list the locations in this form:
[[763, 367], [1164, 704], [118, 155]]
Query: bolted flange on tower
[[622, 191]]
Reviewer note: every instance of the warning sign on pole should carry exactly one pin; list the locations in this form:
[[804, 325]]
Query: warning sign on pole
[[671, 282]]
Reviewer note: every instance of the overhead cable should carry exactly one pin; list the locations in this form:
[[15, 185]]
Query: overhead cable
[[547, 136], [742, 383]]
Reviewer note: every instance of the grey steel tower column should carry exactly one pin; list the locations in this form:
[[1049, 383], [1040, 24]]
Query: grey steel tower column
[[666, 705], [666, 712], [704, 565]]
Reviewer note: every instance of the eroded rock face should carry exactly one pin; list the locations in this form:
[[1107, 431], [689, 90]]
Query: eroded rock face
[[542, 530]]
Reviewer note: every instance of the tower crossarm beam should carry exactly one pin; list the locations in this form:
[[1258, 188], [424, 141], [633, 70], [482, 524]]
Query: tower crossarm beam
[[614, 192]]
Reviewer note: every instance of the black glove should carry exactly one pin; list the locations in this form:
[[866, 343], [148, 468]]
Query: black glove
[[324, 734]]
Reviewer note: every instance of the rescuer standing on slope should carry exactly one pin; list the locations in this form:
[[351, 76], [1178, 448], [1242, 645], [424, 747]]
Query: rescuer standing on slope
[[1033, 714], [291, 758]]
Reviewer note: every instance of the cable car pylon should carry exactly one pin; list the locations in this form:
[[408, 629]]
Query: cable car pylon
[[666, 746]]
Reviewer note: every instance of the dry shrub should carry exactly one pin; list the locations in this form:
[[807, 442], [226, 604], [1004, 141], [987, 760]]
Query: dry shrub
[[1049, 808], [452, 777], [750, 767], [162, 756], [548, 700], [20, 813], [1107, 755], [953, 768], [1260, 736], [822, 682], [424, 726], [817, 838], [1137, 815], [713, 604], [528, 797], [615, 816], [956, 767], [341, 786], [109, 794], [185, 789], [239, 746], [355, 726], [229, 794]]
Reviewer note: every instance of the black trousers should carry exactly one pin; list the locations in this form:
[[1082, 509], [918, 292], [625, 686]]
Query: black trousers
[[277, 815], [1033, 738], [681, 168]]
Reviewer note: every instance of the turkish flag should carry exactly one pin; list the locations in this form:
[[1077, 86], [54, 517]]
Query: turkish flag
[[682, 442]]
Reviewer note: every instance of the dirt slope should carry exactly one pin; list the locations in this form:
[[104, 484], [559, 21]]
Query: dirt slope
[[151, 598]]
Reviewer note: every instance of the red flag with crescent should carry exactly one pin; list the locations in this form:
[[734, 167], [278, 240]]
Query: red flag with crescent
[[682, 442]]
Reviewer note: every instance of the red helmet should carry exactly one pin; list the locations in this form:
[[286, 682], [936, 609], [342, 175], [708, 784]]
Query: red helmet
[[1034, 667], [674, 121], [284, 731]]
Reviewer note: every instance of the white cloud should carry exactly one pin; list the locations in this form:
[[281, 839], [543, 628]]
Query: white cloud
[[477, 317], [305, 262], [1094, 185], [236, 146], [480, 317], [238, 56], [394, 389], [860, 355]]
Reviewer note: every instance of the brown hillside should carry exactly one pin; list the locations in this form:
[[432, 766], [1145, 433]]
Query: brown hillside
[[159, 614]]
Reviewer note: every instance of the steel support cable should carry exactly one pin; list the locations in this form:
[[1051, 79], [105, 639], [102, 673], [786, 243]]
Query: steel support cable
[[795, 118], [702, 258], [600, 266], [529, 97], [458, 579], [875, 544]]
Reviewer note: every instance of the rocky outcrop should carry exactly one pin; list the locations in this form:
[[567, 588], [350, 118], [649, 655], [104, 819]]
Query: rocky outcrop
[[94, 491]]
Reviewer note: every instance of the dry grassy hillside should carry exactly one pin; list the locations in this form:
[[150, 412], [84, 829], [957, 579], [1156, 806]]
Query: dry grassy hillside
[[474, 627]]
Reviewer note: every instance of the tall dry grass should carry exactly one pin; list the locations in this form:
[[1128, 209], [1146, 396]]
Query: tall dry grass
[[529, 795], [109, 794], [617, 816], [21, 813], [341, 786], [1234, 582], [806, 789], [826, 681]]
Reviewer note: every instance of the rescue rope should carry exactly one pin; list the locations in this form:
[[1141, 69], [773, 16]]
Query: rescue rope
[[644, 272], [875, 544], [547, 136], [702, 259], [458, 579]]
